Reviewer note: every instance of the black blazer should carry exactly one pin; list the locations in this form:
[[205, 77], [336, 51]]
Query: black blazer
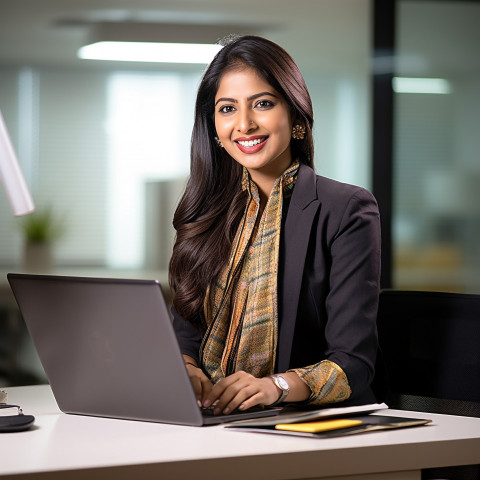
[[328, 282]]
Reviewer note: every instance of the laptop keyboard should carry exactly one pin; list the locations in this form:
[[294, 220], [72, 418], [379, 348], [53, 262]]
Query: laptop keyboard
[[208, 411]]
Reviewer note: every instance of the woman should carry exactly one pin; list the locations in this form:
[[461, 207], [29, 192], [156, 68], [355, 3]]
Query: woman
[[275, 271]]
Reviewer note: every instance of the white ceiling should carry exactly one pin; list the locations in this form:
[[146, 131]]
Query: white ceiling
[[320, 34], [327, 36]]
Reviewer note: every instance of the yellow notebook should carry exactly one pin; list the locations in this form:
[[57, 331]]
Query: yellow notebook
[[315, 427]]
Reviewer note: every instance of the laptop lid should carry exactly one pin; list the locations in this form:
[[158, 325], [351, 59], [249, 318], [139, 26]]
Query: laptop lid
[[107, 347]]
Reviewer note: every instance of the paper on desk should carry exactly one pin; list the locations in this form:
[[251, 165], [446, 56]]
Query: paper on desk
[[297, 416], [368, 423]]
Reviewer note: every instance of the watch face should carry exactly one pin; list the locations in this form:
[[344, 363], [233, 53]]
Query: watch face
[[282, 383]]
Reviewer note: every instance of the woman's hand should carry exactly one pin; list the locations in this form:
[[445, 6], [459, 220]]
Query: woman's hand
[[241, 390], [202, 386]]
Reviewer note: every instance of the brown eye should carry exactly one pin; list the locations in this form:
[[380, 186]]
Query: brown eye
[[226, 109], [264, 104]]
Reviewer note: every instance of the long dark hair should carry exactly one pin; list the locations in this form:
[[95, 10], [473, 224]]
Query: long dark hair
[[210, 210]]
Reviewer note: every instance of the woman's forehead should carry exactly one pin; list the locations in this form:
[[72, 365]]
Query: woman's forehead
[[242, 83]]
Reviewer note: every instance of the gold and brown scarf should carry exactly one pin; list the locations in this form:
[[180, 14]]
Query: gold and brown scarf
[[241, 307]]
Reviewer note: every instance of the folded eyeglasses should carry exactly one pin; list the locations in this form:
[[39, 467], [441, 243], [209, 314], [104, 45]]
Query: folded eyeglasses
[[6, 405]]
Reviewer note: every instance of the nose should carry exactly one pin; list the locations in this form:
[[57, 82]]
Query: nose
[[245, 122]]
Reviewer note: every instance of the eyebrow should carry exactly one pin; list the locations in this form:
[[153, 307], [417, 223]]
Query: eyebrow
[[252, 97]]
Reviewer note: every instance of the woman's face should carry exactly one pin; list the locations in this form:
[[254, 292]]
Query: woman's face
[[253, 123]]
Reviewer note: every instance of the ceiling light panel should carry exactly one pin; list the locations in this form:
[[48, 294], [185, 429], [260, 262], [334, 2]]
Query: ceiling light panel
[[150, 52]]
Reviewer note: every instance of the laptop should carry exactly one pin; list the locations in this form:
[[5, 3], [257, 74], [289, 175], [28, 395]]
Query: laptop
[[108, 349]]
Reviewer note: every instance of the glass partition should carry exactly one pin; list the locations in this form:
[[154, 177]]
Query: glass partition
[[436, 197]]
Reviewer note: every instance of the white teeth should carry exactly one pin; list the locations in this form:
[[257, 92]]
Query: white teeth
[[250, 143]]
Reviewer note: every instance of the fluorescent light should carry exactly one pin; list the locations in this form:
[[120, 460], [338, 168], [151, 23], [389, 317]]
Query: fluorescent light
[[421, 85], [150, 52]]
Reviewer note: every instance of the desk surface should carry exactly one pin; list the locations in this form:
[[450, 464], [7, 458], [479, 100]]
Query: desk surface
[[70, 446]]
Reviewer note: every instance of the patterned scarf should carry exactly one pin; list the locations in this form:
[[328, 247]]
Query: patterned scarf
[[241, 307]]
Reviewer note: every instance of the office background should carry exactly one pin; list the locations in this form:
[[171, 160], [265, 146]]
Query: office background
[[105, 145]]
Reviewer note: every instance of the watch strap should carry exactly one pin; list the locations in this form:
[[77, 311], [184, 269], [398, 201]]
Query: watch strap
[[284, 391]]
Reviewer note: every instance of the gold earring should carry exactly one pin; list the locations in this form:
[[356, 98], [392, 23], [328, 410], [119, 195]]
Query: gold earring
[[298, 132], [219, 143]]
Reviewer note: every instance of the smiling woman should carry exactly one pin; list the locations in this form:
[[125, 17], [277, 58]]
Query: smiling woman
[[275, 270], [256, 128]]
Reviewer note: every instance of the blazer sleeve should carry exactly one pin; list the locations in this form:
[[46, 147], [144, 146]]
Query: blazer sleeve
[[352, 299], [188, 336]]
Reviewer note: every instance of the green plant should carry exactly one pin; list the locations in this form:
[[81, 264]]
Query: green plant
[[42, 226]]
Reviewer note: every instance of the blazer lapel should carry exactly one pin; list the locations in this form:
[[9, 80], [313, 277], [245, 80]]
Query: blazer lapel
[[301, 212]]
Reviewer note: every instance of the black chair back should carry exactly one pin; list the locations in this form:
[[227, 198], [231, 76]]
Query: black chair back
[[431, 347], [430, 343]]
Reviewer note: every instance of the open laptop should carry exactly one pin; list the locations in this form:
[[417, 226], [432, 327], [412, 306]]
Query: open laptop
[[109, 349]]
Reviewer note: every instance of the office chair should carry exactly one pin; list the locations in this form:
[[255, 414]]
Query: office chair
[[430, 343]]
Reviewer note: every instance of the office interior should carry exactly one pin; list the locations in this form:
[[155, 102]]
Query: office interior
[[105, 145]]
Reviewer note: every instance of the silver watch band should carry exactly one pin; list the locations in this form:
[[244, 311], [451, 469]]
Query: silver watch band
[[282, 384]]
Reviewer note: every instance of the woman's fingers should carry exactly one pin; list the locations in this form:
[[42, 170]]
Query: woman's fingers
[[197, 388], [241, 390], [206, 389], [202, 386], [246, 397], [221, 388], [250, 402]]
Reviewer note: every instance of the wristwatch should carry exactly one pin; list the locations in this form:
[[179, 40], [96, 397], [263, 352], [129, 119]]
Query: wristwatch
[[283, 385]]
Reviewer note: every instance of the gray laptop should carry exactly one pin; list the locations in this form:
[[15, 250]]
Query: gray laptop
[[109, 349]]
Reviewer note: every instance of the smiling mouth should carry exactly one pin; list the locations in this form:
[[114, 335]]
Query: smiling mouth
[[251, 143]]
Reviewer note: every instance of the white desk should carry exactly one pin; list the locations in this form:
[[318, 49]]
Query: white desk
[[77, 447]]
